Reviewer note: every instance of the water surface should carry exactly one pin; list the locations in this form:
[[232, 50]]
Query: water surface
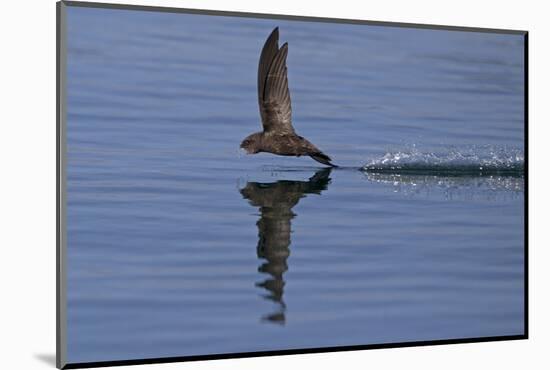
[[179, 245]]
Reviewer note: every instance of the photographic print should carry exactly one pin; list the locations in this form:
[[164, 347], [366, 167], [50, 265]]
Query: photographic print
[[238, 184]]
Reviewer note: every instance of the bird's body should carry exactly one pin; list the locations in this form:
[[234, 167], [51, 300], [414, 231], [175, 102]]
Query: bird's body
[[287, 145], [278, 135]]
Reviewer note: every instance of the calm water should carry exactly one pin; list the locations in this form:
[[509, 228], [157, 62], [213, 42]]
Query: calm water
[[180, 245]]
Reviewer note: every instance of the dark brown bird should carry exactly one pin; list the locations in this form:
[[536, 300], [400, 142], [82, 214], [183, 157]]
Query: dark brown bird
[[278, 135]]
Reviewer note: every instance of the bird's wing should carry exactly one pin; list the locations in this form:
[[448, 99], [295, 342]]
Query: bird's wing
[[273, 93], [270, 49]]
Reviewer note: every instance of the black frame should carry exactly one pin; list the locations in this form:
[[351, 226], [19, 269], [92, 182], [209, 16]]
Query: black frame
[[60, 188]]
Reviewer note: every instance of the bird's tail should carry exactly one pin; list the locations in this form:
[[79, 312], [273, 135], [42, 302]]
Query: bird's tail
[[322, 158]]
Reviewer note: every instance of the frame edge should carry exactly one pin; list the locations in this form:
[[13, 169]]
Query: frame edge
[[291, 17], [61, 242]]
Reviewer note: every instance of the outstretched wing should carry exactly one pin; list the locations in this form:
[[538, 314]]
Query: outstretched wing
[[273, 93], [270, 49]]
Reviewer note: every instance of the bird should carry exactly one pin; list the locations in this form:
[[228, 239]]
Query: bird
[[278, 135]]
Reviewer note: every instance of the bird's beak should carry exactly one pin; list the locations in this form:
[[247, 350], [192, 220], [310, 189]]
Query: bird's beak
[[245, 149]]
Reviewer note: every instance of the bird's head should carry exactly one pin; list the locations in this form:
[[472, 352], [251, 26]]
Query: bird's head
[[252, 143]]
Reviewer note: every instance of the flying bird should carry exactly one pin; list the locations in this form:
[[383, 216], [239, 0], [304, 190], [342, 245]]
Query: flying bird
[[278, 135]]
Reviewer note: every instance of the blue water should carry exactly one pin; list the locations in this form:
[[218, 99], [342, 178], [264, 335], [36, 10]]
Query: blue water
[[179, 245]]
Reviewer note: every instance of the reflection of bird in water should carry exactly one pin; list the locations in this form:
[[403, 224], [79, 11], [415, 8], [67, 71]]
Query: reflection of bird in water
[[278, 135], [275, 201]]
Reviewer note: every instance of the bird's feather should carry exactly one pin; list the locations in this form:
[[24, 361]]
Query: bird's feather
[[322, 158], [273, 92], [270, 49]]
